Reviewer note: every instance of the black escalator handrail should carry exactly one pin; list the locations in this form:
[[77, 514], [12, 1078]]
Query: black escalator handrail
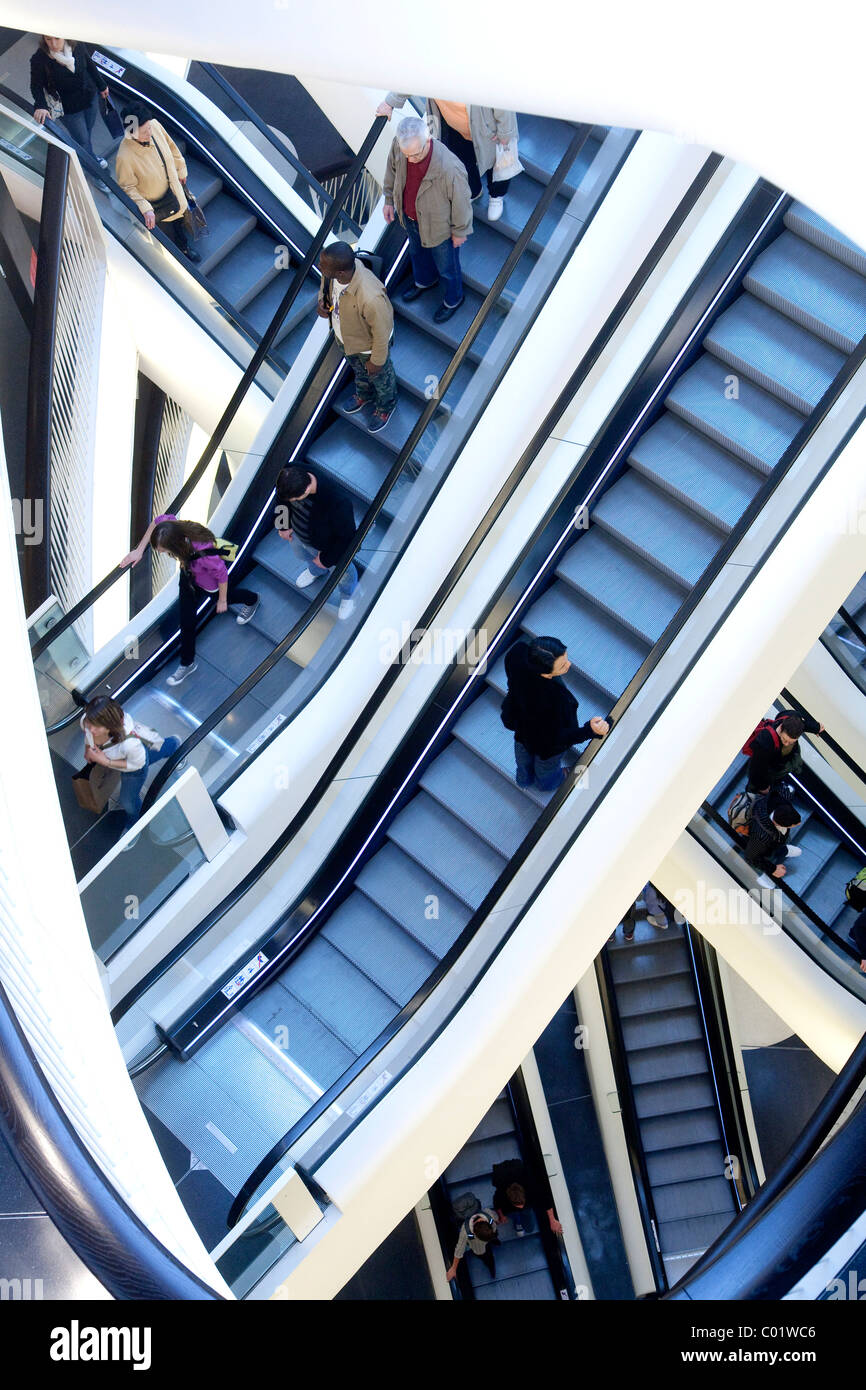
[[629, 1116], [711, 814], [533, 1157], [282, 150], [246, 381], [674, 627], [853, 624], [40, 379], [90, 1214], [597, 347], [841, 753], [374, 510], [717, 1259]]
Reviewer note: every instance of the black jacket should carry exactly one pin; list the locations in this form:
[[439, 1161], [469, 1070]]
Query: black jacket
[[769, 764], [331, 520], [765, 847], [75, 90], [541, 710]]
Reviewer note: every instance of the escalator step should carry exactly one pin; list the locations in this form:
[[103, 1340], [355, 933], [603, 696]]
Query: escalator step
[[497, 1123], [807, 224], [247, 269], [685, 464], [481, 729], [358, 461], [260, 310], [812, 288], [543, 142], [348, 1004], [646, 961], [421, 360], [637, 998], [474, 1163], [679, 1201], [520, 1288], [826, 891], [470, 789], [621, 583], [459, 859], [453, 331], [663, 1133], [240, 1069], [413, 897], [279, 608], [674, 1096], [229, 223], [514, 1259], [664, 1063], [685, 1163], [755, 426], [239, 651], [818, 842], [485, 253], [308, 1042], [695, 1233], [657, 528], [657, 1027], [599, 646], [404, 418], [204, 182], [377, 945], [520, 203], [773, 351]]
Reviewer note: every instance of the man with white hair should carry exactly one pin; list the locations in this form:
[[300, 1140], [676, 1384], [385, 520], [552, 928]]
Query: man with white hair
[[427, 190]]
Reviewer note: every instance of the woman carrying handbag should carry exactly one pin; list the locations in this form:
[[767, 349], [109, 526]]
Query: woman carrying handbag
[[65, 83], [151, 169], [113, 739]]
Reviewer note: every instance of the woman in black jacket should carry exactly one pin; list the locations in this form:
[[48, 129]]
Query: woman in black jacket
[[542, 712], [66, 72]]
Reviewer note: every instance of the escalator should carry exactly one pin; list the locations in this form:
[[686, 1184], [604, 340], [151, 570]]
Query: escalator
[[445, 827]]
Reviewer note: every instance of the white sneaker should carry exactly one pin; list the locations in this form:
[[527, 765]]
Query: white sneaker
[[793, 851], [679, 918], [347, 608], [494, 209], [659, 922], [305, 579], [181, 673]]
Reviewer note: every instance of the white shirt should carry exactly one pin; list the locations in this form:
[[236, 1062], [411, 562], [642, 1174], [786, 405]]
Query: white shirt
[[131, 749], [336, 290]]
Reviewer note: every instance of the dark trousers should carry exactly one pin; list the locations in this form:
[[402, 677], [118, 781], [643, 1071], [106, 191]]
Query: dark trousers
[[190, 598], [176, 232], [465, 152], [80, 125], [432, 262], [381, 389]]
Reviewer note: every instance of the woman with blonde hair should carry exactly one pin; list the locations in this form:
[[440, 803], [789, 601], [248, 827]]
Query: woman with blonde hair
[[63, 72], [202, 573], [114, 739]]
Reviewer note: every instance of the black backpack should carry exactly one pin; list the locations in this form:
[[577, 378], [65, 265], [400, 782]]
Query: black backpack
[[508, 1171], [466, 1205]]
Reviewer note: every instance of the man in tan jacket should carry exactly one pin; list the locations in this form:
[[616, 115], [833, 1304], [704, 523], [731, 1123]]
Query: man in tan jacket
[[151, 169], [427, 190], [362, 319]]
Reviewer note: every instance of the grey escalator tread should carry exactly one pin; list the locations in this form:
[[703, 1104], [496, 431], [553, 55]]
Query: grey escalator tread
[[281, 559], [671, 1096], [206, 687], [358, 461], [621, 583], [661, 1133], [470, 789], [514, 1259], [703, 477], [261, 310], [647, 961], [203, 181], [421, 361], [808, 225], [482, 730], [693, 1233], [773, 351], [543, 141], [755, 425], [496, 1122], [228, 223], [376, 944], [476, 1160], [459, 859], [399, 885], [667, 1062], [484, 255], [279, 608], [404, 418], [655, 996], [309, 1042], [247, 270], [453, 331], [237, 653], [812, 288], [818, 844], [520, 203], [240, 1069], [598, 645], [654, 1027], [349, 1004], [643, 518], [826, 891], [695, 1197], [684, 1164], [520, 1288]]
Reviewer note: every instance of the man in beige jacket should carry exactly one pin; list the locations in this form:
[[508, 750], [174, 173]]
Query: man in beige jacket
[[361, 316], [427, 190], [151, 169]]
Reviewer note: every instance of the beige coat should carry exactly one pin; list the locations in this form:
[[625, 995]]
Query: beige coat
[[443, 204], [140, 173], [366, 316], [485, 124]]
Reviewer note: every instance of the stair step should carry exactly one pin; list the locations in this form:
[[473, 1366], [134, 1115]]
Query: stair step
[[453, 331], [773, 351], [310, 1044], [648, 961], [621, 583], [672, 1096], [228, 223], [420, 362], [812, 288], [260, 311], [238, 652], [245, 271], [807, 224], [497, 1123], [516, 1261], [599, 646], [663, 1026], [651, 1065], [682, 1201], [657, 528], [686, 1163], [472, 791], [474, 1163], [665, 1133], [693, 1233], [459, 859], [404, 418], [341, 997], [204, 182], [639, 998], [755, 426], [279, 608], [375, 943], [482, 730], [685, 464], [413, 897], [359, 462]]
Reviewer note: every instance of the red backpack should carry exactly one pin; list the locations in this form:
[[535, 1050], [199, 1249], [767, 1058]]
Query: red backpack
[[770, 726]]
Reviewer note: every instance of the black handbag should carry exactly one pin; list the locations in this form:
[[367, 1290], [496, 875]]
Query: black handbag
[[194, 219], [168, 204]]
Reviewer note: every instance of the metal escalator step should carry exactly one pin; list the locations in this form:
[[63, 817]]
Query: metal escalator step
[[515, 1259], [679, 1201], [773, 351], [261, 310], [818, 842], [442, 844], [247, 269], [692, 1233], [485, 253], [543, 141], [657, 528], [520, 1288], [664, 956], [812, 288], [621, 583], [349, 1004], [663, 1063], [453, 331], [482, 730], [204, 182], [638, 998], [376, 944], [279, 608], [520, 203], [825, 893], [238, 653], [686, 1163], [470, 789], [755, 425], [807, 224], [665, 1133], [475, 1161], [598, 645], [204, 689], [285, 562], [656, 1027], [358, 461], [410, 894], [228, 223], [496, 1123], [421, 361], [701, 476], [403, 419], [670, 1097], [316, 1050], [244, 1071]]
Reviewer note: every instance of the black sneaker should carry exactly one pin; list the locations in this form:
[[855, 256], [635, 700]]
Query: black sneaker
[[444, 312], [355, 405], [415, 291], [192, 255]]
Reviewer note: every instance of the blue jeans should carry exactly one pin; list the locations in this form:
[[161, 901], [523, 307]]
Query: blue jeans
[[132, 783], [546, 773], [80, 125], [430, 263], [347, 585]]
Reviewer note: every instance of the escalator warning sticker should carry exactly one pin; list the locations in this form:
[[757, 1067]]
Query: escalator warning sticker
[[251, 968], [266, 733], [107, 63], [366, 1096]]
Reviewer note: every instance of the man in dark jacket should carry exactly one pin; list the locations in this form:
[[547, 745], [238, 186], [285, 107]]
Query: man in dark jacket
[[515, 1196], [318, 517], [776, 751], [542, 712], [767, 846]]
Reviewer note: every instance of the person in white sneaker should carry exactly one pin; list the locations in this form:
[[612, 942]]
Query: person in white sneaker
[[317, 517], [473, 133]]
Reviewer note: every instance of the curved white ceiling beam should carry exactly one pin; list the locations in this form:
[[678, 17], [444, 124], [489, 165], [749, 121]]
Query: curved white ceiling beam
[[776, 86]]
